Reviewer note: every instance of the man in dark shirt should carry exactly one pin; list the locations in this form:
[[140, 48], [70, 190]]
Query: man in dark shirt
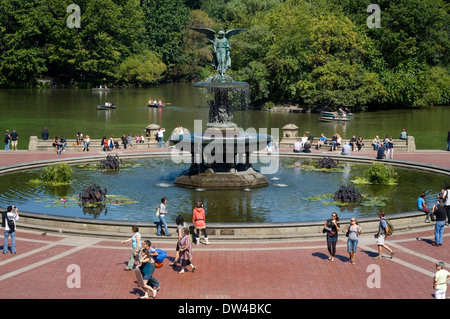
[[14, 139], [45, 134], [441, 216], [381, 152]]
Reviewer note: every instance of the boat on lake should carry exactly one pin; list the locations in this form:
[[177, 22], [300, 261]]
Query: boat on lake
[[100, 89], [331, 113], [331, 119], [106, 107], [156, 105]]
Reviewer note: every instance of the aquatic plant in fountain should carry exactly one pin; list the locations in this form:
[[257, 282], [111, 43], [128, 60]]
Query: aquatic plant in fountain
[[55, 175], [379, 174]]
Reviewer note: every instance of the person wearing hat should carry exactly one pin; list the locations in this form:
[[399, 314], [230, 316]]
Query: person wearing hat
[[14, 139], [403, 135]]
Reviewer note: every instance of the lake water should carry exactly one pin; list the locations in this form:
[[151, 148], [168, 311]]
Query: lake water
[[67, 111]]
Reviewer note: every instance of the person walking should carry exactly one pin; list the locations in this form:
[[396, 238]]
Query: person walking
[[147, 268], [440, 280], [441, 216], [9, 219], [331, 228], [180, 226], [162, 217], [186, 251], [353, 232], [198, 219], [135, 245], [381, 236]]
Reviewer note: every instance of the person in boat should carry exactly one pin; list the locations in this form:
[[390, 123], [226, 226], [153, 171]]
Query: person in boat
[[159, 102]]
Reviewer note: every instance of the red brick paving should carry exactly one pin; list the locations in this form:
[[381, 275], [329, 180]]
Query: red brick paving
[[295, 269]]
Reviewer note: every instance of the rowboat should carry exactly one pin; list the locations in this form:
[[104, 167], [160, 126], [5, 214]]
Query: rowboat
[[156, 105], [331, 119], [100, 89], [106, 107], [329, 113]]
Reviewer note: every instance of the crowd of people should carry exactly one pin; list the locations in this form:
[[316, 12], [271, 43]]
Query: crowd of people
[[384, 148]]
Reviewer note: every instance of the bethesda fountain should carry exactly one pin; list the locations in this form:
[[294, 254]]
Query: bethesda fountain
[[220, 155]]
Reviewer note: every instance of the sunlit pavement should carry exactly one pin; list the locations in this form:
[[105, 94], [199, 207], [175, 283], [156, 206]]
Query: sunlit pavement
[[68, 267]]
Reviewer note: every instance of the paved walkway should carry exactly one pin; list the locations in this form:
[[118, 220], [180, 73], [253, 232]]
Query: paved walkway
[[46, 266]]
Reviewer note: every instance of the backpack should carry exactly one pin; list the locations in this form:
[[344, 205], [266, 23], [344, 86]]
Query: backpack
[[161, 255], [11, 224], [390, 227]]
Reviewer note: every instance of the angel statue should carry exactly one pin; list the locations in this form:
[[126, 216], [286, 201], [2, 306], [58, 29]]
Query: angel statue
[[221, 59]]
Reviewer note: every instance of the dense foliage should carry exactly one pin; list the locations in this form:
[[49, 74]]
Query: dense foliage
[[312, 52]]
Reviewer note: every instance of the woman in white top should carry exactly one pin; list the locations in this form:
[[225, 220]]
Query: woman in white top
[[12, 214], [440, 280]]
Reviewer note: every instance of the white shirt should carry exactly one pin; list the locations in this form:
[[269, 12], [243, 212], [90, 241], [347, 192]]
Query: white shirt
[[13, 216], [161, 133]]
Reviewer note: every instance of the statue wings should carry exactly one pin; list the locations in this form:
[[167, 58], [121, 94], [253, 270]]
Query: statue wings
[[211, 33]]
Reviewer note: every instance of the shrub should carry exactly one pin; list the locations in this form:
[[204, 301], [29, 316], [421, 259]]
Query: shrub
[[57, 174]]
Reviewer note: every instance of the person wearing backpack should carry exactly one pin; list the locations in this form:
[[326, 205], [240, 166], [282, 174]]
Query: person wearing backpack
[[9, 219], [150, 267], [383, 232]]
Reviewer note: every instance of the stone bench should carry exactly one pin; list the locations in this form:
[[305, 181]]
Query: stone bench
[[36, 144], [399, 145]]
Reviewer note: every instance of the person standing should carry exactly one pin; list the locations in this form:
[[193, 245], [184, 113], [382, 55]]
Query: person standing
[[186, 251], [331, 228], [440, 280], [160, 136], [448, 141], [390, 148], [135, 245], [7, 140], [381, 236], [353, 232], [9, 222], [162, 217], [14, 139], [441, 216], [446, 200], [180, 226], [199, 221]]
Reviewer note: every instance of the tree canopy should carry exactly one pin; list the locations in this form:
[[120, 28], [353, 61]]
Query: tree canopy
[[312, 52]]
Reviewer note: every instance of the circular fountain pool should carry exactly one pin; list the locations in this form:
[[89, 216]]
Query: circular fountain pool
[[295, 193]]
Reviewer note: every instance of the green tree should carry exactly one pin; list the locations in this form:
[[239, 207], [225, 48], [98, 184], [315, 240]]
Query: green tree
[[141, 69], [165, 25]]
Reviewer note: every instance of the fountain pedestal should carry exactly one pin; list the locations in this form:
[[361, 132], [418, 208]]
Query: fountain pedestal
[[220, 156]]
